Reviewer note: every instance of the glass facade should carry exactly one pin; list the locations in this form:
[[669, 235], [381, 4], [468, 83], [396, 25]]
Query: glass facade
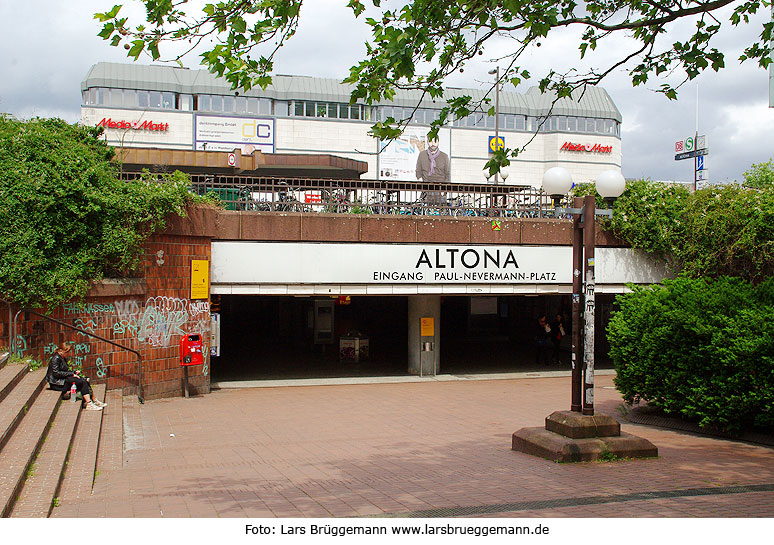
[[228, 104]]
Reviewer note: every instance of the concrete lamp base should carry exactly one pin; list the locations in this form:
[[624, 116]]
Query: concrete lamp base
[[572, 437]]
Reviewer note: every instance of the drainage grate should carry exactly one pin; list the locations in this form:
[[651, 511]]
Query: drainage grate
[[572, 502]]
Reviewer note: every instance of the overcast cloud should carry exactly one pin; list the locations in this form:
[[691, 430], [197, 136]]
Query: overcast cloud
[[50, 45]]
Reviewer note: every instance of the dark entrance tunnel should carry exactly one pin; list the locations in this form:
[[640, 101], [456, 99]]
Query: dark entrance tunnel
[[273, 337]]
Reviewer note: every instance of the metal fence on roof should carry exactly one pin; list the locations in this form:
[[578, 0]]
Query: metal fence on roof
[[278, 194]]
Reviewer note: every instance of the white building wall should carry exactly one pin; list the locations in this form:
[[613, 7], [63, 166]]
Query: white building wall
[[334, 137], [469, 147], [178, 135]]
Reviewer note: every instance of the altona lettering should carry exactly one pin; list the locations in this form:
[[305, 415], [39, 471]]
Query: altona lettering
[[588, 148], [470, 259], [135, 125]]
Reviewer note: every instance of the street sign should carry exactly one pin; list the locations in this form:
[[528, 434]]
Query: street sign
[[691, 154], [691, 144], [702, 175], [700, 162]]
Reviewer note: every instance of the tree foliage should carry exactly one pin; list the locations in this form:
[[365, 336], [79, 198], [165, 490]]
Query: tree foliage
[[715, 231], [65, 217], [760, 176], [418, 44], [698, 348]]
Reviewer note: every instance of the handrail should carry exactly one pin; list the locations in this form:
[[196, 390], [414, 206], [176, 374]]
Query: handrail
[[140, 397]]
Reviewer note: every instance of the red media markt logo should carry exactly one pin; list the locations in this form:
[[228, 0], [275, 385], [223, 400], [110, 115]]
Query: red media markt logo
[[108, 123], [588, 148]]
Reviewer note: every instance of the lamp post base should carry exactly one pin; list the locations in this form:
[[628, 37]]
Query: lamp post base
[[571, 437]]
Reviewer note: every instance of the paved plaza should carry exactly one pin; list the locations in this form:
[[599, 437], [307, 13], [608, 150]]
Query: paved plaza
[[422, 449]]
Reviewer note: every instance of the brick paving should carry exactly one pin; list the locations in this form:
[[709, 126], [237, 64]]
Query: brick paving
[[396, 449], [45, 473], [23, 395], [10, 375], [111, 439], [22, 446], [78, 478]]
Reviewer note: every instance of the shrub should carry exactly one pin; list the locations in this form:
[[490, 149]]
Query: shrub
[[65, 218], [698, 348]]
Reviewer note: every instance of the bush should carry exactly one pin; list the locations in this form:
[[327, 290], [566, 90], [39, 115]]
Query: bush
[[65, 218], [760, 176], [698, 348]]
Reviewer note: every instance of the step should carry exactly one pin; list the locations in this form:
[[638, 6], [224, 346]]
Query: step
[[10, 375], [111, 441], [16, 404], [82, 462], [4, 357], [45, 474], [20, 450]]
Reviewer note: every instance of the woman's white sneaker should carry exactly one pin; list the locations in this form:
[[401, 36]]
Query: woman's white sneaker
[[91, 406], [99, 403]]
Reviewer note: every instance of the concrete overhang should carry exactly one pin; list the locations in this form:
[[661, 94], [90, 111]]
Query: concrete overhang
[[234, 163]]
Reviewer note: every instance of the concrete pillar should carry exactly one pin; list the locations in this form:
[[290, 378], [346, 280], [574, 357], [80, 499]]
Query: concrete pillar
[[423, 306]]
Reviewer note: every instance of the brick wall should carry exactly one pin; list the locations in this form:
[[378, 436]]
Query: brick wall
[[148, 315]]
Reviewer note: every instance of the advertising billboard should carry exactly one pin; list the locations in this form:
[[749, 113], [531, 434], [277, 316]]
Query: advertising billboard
[[221, 133], [398, 158]]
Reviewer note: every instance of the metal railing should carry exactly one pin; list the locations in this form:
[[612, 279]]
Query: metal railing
[[269, 194], [140, 396]]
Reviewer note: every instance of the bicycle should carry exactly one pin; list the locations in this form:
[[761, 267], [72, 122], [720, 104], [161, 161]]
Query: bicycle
[[336, 201]]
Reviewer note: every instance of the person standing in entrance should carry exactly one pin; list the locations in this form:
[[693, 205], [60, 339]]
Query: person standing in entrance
[[557, 332], [542, 340]]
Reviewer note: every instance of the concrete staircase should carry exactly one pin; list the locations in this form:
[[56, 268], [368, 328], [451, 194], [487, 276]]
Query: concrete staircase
[[48, 447]]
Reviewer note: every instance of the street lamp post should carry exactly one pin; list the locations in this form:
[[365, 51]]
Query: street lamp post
[[610, 184], [578, 434]]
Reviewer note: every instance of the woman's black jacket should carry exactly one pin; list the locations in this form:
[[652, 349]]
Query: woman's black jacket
[[58, 370]]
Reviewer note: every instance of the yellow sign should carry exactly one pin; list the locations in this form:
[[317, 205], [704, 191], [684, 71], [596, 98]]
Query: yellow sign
[[200, 279], [427, 327], [496, 143]]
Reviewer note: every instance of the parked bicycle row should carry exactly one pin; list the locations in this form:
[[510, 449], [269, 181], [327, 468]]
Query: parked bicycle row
[[374, 197]]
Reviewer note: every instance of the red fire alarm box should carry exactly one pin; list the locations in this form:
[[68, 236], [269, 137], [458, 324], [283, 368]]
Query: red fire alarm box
[[191, 350]]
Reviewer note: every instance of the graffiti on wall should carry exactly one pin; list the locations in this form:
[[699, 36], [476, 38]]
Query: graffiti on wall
[[157, 322], [162, 319]]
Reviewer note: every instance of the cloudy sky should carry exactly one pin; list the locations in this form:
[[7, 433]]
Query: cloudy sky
[[49, 46]]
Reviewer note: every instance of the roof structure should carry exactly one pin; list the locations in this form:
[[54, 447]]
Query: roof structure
[[591, 102]]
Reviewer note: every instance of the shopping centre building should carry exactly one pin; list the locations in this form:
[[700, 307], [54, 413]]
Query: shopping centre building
[[287, 293], [181, 109]]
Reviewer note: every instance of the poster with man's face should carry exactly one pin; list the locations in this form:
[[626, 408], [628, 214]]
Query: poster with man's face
[[398, 160]]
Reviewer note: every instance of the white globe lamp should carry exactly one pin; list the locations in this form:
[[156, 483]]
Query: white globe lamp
[[504, 172], [557, 182], [610, 184]]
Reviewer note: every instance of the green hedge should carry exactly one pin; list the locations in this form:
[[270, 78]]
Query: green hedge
[[699, 348]]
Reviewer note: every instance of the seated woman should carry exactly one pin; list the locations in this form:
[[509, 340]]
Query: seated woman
[[61, 378]]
